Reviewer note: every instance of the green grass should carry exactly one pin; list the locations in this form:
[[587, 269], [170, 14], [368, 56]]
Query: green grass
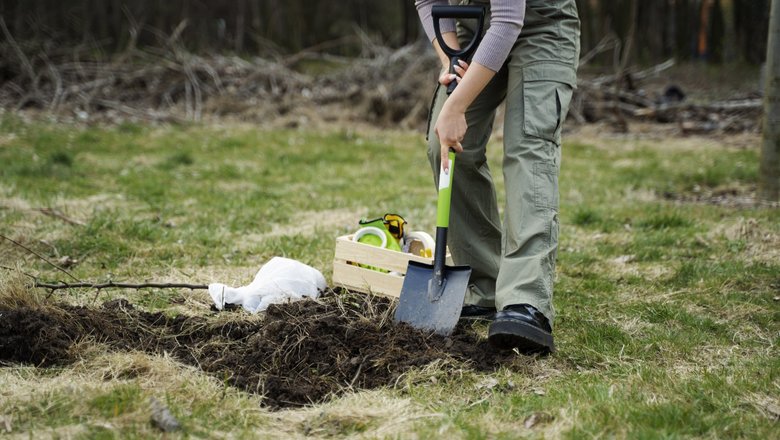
[[120, 400], [667, 314]]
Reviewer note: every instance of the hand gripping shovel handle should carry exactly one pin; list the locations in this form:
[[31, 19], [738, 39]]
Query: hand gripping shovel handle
[[443, 221], [443, 11]]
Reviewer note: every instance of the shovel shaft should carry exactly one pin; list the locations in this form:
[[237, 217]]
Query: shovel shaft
[[443, 220], [455, 61], [445, 194]]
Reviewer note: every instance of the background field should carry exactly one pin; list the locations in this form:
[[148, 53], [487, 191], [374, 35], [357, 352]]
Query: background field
[[668, 289]]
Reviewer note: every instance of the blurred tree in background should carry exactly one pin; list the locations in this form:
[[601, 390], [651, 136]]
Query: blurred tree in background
[[711, 30], [242, 26]]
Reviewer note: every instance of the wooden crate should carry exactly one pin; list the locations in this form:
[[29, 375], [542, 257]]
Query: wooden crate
[[354, 277]]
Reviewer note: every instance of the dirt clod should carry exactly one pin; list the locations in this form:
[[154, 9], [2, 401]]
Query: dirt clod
[[300, 353]]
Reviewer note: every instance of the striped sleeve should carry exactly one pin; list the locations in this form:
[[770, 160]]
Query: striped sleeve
[[506, 22], [424, 11]]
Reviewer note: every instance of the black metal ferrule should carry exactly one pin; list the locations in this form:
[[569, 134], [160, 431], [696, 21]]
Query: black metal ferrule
[[440, 255]]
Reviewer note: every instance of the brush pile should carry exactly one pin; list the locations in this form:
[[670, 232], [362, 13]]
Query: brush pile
[[616, 98], [168, 83], [384, 87]]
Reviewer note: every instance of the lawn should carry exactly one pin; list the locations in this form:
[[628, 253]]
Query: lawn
[[667, 293]]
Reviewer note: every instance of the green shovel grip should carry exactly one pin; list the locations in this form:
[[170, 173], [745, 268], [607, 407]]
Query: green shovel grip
[[445, 194]]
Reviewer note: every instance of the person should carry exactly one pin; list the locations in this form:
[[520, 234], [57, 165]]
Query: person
[[528, 57]]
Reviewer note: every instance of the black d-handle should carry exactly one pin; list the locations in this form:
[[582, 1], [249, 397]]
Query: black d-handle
[[441, 11]]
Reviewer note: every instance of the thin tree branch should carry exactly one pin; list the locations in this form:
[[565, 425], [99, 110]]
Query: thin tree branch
[[99, 286], [51, 212], [40, 256], [109, 284], [13, 269]]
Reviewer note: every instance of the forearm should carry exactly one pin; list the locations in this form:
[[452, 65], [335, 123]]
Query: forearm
[[451, 124], [473, 82]]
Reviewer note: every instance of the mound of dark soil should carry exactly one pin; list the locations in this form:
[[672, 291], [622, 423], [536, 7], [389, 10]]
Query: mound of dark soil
[[300, 353]]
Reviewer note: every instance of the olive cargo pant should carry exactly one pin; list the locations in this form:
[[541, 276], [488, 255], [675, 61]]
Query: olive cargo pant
[[518, 266]]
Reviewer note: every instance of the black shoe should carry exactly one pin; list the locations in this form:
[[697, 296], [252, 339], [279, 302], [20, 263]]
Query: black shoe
[[472, 312], [523, 327]]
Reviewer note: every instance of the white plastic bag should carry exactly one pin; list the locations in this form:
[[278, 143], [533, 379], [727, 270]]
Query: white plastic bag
[[278, 281]]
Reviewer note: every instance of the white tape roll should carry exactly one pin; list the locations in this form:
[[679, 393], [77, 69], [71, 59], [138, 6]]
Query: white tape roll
[[371, 230], [423, 237]]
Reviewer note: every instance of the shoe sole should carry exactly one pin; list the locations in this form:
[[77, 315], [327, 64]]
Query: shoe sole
[[506, 334]]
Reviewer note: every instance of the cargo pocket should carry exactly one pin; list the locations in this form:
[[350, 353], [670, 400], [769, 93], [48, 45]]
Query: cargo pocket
[[547, 92]]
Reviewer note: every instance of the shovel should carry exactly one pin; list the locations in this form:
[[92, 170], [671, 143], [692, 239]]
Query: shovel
[[432, 295]]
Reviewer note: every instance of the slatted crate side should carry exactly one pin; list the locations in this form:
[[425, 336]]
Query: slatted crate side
[[366, 280], [394, 261]]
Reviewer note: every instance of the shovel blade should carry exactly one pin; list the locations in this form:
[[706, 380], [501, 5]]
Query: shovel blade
[[427, 306]]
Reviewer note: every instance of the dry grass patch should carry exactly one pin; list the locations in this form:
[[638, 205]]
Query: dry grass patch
[[369, 414], [626, 265], [634, 326], [768, 405], [761, 241], [309, 223], [657, 137], [111, 390]]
